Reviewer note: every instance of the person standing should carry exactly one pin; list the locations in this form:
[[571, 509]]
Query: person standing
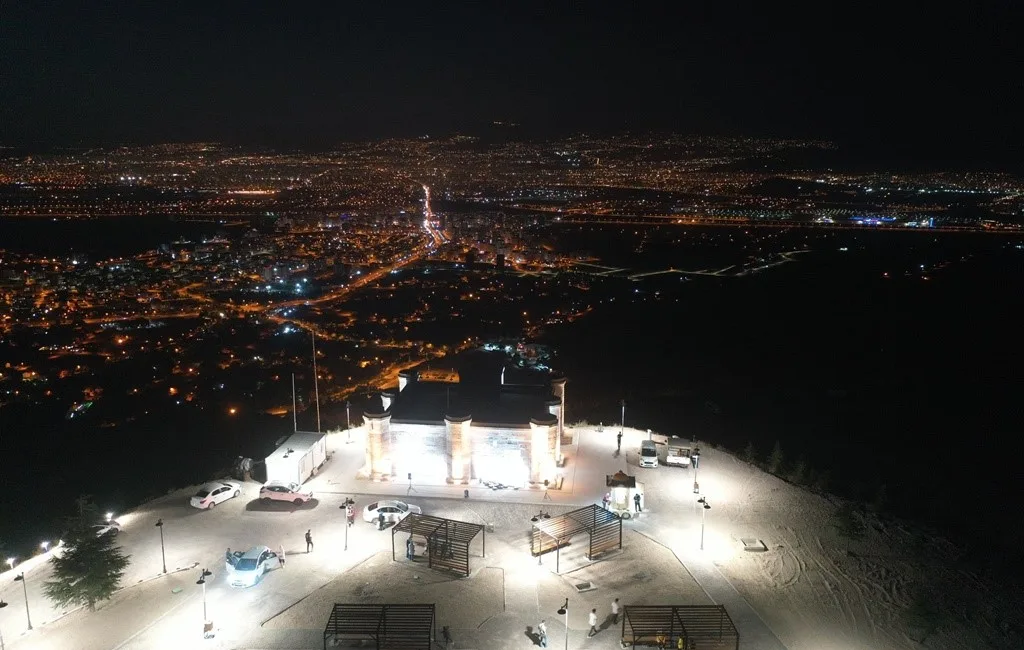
[[380, 521], [618, 441], [592, 619], [449, 643], [607, 500], [636, 503], [350, 514], [695, 459], [309, 541], [280, 556], [542, 633], [230, 559], [410, 548], [615, 611]]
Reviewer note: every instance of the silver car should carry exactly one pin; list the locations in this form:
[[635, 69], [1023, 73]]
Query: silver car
[[247, 569]]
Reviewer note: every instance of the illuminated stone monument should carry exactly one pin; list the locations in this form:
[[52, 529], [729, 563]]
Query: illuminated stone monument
[[493, 427]]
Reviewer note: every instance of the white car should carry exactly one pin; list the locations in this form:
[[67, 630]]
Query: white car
[[109, 528], [282, 491], [393, 511], [247, 569], [214, 492]]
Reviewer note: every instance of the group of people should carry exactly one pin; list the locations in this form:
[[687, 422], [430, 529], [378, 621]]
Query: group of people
[[637, 506], [542, 627]]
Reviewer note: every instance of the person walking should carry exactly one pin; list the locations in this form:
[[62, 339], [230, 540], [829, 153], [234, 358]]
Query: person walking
[[449, 643], [380, 521], [280, 556], [230, 559], [350, 514], [309, 541], [695, 459], [618, 441], [636, 503], [592, 619], [542, 633], [615, 611]]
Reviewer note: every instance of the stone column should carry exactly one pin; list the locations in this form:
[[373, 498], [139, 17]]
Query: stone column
[[378, 444], [558, 389], [459, 430], [543, 431]]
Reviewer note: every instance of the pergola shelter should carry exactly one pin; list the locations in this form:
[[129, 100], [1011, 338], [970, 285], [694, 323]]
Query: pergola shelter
[[391, 627], [447, 540], [603, 529], [707, 627]]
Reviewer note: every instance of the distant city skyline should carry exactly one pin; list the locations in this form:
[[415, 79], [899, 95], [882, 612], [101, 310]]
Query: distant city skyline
[[898, 83]]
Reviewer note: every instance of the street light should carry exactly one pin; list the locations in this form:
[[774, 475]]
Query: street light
[[564, 611], [707, 506], [11, 561], [622, 422], [345, 506], [110, 516], [2, 647], [45, 546], [163, 556], [540, 551], [202, 581], [24, 586]]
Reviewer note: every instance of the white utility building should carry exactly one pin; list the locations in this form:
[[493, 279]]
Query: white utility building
[[298, 457]]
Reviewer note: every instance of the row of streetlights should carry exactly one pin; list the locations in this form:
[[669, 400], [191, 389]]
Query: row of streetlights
[[28, 615]]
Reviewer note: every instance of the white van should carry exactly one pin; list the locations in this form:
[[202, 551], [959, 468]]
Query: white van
[[648, 454]]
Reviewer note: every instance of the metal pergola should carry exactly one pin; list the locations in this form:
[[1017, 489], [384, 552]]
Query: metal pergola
[[707, 627], [447, 540], [391, 627], [603, 528]]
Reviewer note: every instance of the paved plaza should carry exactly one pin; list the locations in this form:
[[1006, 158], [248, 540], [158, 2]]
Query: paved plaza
[[497, 607]]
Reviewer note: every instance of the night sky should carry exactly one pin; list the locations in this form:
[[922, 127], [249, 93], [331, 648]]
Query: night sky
[[937, 80]]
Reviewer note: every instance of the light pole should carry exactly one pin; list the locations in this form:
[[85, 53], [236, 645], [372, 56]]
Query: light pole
[[21, 578], [163, 556], [540, 550], [622, 422], [202, 581], [2, 647], [707, 506], [564, 611], [45, 546], [345, 506]]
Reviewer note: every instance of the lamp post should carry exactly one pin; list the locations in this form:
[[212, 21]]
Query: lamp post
[[345, 506], [202, 581], [564, 611], [622, 422], [2, 646], [163, 556], [707, 506], [45, 546], [28, 615], [540, 551]]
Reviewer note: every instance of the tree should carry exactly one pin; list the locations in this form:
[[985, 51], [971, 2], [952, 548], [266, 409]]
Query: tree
[[90, 567], [776, 459], [881, 499], [923, 615], [750, 453], [798, 474], [848, 524]]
